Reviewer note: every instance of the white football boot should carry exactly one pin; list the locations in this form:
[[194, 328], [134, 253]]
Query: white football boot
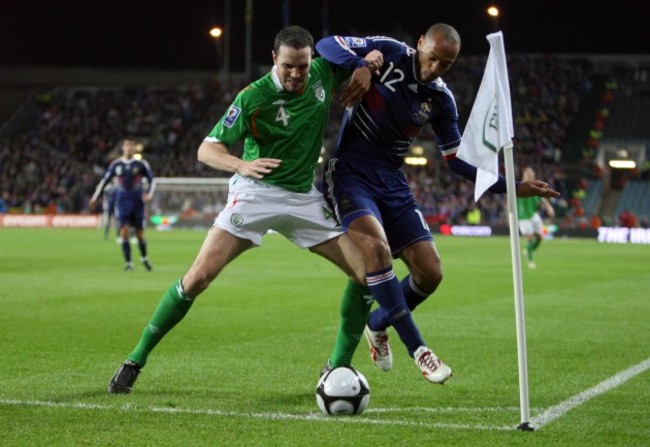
[[431, 366], [379, 348]]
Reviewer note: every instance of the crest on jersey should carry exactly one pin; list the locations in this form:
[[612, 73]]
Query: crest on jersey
[[422, 116], [319, 91], [231, 116], [355, 42]]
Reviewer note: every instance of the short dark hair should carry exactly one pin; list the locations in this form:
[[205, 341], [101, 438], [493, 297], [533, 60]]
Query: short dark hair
[[449, 32], [294, 37]]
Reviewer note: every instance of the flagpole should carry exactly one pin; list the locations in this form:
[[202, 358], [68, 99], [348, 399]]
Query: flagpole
[[519, 289], [489, 129]]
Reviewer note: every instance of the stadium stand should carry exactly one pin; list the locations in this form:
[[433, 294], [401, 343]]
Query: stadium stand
[[56, 142], [635, 198]]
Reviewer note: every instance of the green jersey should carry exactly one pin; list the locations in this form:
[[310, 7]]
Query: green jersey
[[277, 124], [527, 207]]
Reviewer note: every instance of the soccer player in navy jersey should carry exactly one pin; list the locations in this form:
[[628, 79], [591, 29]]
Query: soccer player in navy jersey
[[134, 186], [369, 193]]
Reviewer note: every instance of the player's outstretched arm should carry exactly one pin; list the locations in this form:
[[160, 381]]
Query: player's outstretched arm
[[217, 156], [536, 188], [524, 189]]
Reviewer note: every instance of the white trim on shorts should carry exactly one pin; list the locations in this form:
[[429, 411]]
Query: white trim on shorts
[[254, 208]]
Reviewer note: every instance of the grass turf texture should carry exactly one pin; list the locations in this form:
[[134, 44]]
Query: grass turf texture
[[242, 367]]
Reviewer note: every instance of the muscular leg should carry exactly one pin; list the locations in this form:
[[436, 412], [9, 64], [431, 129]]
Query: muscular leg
[[218, 249], [356, 301], [368, 235], [423, 262]]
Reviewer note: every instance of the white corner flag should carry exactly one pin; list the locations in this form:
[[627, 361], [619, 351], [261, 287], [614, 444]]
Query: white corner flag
[[489, 127]]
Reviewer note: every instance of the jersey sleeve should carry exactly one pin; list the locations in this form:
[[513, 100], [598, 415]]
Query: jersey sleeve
[[346, 52], [234, 125], [103, 183], [445, 123], [330, 71]]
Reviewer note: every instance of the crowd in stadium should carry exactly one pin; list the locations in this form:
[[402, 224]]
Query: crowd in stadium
[[52, 164]]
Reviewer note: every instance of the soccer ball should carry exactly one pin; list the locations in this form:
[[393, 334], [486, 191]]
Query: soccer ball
[[342, 391]]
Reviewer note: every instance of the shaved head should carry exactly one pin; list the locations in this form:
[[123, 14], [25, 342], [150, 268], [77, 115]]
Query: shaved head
[[447, 31]]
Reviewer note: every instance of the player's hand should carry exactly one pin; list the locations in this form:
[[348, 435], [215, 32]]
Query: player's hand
[[258, 168], [536, 188], [375, 60], [357, 87], [92, 204], [147, 198], [361, 78]]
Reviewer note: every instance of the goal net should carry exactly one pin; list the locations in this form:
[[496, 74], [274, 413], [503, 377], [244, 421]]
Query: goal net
[[187, 201]]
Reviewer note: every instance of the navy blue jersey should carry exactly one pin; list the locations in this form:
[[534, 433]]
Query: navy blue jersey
[[381, 128], [133, 178]]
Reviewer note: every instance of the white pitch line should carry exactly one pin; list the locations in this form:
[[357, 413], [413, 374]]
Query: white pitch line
[[554, 412], [448, 410], [544, 418], [267, 416]]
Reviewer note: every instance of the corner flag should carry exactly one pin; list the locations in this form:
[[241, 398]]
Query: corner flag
[[489, 130], [489, 127]]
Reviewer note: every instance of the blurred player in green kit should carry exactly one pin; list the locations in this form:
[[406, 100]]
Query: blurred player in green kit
[[281, 118], [530, 222]]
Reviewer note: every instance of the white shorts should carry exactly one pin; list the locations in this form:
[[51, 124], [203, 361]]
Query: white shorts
[[531, 226], [256, 207]]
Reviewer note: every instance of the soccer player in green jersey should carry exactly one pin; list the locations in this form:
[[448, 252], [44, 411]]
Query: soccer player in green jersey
[[281, 118], [530, 222]]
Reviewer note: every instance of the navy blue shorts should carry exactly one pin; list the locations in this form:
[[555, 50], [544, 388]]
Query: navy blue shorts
[[130, 211], [353, 191]]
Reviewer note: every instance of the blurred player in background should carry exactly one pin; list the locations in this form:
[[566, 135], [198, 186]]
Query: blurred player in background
[[108, 210], [134, 186], [281, 118], [369, 193], [530, 222]]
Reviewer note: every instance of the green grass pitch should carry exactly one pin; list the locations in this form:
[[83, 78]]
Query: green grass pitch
[[241, 369]]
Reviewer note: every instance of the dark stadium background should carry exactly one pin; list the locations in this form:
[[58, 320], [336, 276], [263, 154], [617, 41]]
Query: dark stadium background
[[174, 34], [55, 55]]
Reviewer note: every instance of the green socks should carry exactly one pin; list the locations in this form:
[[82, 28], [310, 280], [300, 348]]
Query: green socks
[[531, 247], [173, 306], [355, 307]]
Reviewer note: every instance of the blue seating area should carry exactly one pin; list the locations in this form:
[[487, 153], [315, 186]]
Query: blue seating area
[[592, 198], [635, 198]]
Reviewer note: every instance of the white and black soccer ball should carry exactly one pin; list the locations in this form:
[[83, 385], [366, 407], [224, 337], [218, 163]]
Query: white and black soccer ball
[[342, 391]]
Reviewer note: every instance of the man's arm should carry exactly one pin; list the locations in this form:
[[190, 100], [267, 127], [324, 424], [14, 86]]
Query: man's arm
[[524, 189], [550, 211], [216, 155], [101, 186], [335, 50], [363, 60]]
